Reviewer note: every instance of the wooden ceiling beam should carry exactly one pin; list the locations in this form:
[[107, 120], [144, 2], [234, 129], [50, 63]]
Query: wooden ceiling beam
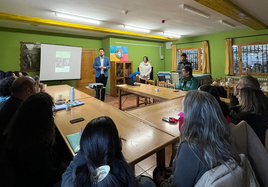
[[41, 21], [229, 9]]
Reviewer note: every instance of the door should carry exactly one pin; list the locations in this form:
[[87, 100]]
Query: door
[[87, 71]]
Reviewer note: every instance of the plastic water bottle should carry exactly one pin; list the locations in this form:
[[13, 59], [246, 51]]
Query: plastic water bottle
[[72, 94]]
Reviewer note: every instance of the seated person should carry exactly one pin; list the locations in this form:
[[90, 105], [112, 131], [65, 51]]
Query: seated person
[[100, 150], [254, 110], [28, 158], [214, 91], [205, 145], [18, 73], [5, 89], [39, 86], [246, 81], [10, 74], [21, 89], [2, 74], [183, 63], [187, 82]]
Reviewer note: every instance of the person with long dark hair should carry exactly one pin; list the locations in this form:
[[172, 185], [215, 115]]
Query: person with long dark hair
[[100, 161], [254, 110], [28, 158], [205, 145], [216, 94]]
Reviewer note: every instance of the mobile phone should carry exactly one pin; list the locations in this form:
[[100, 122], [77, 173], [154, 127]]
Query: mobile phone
[[165, 119], [176, 91], [77, 120]]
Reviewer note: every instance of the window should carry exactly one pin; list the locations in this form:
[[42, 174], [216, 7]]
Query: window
[[194, 55], [251, 58]]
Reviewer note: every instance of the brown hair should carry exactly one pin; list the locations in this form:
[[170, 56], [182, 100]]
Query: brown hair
[[253, 100]]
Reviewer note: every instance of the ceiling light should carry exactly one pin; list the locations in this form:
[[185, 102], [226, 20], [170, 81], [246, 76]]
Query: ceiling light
[[136, 29], [78, 18], [227, 24], [195, 11], [172, 35]]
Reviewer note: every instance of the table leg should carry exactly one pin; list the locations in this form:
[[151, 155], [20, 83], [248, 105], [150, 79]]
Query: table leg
[[160, 156], [138, 100], [119, 99]]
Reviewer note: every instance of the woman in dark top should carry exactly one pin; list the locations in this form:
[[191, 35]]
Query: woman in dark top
[[254, 110], [214, 91], [100, 150], [205, 141], [27, 159]]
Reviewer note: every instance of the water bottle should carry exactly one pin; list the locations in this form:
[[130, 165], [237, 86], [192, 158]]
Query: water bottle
[[72, 94]]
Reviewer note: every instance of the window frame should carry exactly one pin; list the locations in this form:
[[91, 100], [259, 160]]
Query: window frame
[[239, 52], [198, 56]]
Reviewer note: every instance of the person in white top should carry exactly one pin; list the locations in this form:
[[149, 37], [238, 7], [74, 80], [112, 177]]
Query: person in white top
[[145, 69]]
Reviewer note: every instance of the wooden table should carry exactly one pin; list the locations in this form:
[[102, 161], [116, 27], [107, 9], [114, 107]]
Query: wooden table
[[65, 91], [153, 115], [142, 140], [147, 90]]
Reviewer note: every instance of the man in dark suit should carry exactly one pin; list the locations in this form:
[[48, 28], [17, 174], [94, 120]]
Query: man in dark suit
[[101, 65]]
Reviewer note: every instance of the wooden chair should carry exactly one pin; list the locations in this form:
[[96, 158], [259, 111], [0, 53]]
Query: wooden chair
[[161, 83], [171, 86], [152, 82]]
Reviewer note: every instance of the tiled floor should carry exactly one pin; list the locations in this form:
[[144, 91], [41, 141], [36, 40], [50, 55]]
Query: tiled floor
[[145, 167]]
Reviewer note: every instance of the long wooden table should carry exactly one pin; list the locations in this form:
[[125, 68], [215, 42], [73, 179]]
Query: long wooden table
[[141, 142], [153, 114], [148, 90], [65, 91]]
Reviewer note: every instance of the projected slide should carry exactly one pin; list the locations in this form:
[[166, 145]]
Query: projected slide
[[59, 62], [62, 61]]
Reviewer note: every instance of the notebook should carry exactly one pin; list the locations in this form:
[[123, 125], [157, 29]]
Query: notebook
[[74, 140], [63, 106]]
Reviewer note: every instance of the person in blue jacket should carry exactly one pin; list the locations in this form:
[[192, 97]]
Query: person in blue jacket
[[101, 65]]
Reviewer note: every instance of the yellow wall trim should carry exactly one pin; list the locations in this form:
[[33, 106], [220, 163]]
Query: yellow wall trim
[[41, 21]]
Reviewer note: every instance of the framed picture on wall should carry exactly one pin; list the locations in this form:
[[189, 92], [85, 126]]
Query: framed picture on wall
[[30, 54]]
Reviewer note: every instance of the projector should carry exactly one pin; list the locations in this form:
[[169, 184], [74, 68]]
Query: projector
[[95, 86]]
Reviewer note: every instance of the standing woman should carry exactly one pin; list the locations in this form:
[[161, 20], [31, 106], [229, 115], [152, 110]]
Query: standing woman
[[145, 70], [100, 161]]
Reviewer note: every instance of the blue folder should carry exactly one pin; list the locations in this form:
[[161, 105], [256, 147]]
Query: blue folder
[[74, 140]]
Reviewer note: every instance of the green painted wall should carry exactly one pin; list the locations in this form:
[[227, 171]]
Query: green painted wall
[[10, 46], [106, 47], [217, 47], [137, 49]]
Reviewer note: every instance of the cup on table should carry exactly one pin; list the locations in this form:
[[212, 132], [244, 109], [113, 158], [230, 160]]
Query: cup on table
[[60, 97], [156, 89], [68, 106]]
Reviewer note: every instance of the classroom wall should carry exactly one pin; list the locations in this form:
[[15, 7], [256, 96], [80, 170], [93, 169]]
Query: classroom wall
[[10, 46], [137, 49], [217, 47]]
